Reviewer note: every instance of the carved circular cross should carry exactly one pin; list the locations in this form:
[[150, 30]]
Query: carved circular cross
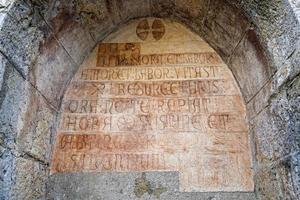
[[157, 29]]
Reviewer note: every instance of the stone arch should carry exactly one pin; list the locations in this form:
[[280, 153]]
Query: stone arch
[[35, 71]]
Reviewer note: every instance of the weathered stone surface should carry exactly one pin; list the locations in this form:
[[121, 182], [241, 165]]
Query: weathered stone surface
[[276, 129], [6, 171], [52, 71], [113, 186], [162, 8], [4, 8], [224, 26], [289, 70], [65, 20], [296, 7], [131, 9], [12, 101], [192, 12], [21, 33], [260, 101], [96, 16], [122, 114], [276, 133], [250, 66], [26, 118], [293, 95], [287, 140], [288, 168], [29, 180], [267, 182], [84, 42], [277, 26], [35, 136], [264, 134], [279, 180], [295, 169]]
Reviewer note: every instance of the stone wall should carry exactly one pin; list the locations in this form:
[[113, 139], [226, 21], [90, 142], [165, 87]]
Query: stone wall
[[42, 43], [296, 7]]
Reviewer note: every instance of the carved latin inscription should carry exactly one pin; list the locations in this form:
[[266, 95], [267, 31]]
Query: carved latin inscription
[[131, 110]]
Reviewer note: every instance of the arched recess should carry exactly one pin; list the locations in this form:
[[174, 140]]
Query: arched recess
[[154, 97], [39, 57]]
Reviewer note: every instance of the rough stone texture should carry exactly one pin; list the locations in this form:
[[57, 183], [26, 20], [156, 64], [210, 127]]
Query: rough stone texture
[[51, 80], [192, 11], [288, 169], [30, 179], [129, 9], [296, 7], [128, 186], [268, 184], [281, 31], [26, 120], [289, 70], [12, 104], [95, 15], [22, 22], [249, 65], [224, 31], [65, 19], [276, 138], [260, 101], [294, 171], [162, 8], [6, 171], [276, 128], [279, 180]]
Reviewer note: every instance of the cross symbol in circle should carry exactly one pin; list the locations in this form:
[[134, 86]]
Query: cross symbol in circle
[[157, 29]]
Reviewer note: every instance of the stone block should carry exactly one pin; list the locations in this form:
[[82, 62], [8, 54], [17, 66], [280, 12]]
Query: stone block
[[192, 12], [129, 186], [11, 104], [163, 8], [30, 180], [52, 71], [278, 28], [84, 43], [276, 128], [21, 33], [34, 137], [263, 133], [66, 23], [111, 185], [250, 66], [268, 184], [259, 101], [296, 7], [26, 118], [6, 172], [289, 170], [285, 123], [289, 70], [224, 26], [131, 9], [293, 95], [96, 17], [3, 64], [280, 180]]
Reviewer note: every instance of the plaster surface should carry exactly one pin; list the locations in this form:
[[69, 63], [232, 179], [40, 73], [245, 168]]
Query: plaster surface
[[156, 97]]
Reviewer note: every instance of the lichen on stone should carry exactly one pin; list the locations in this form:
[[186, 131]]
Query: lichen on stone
[[143, 186]]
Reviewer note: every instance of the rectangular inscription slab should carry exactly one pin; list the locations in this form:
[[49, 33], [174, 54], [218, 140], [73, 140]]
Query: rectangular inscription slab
[[126, 110]]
